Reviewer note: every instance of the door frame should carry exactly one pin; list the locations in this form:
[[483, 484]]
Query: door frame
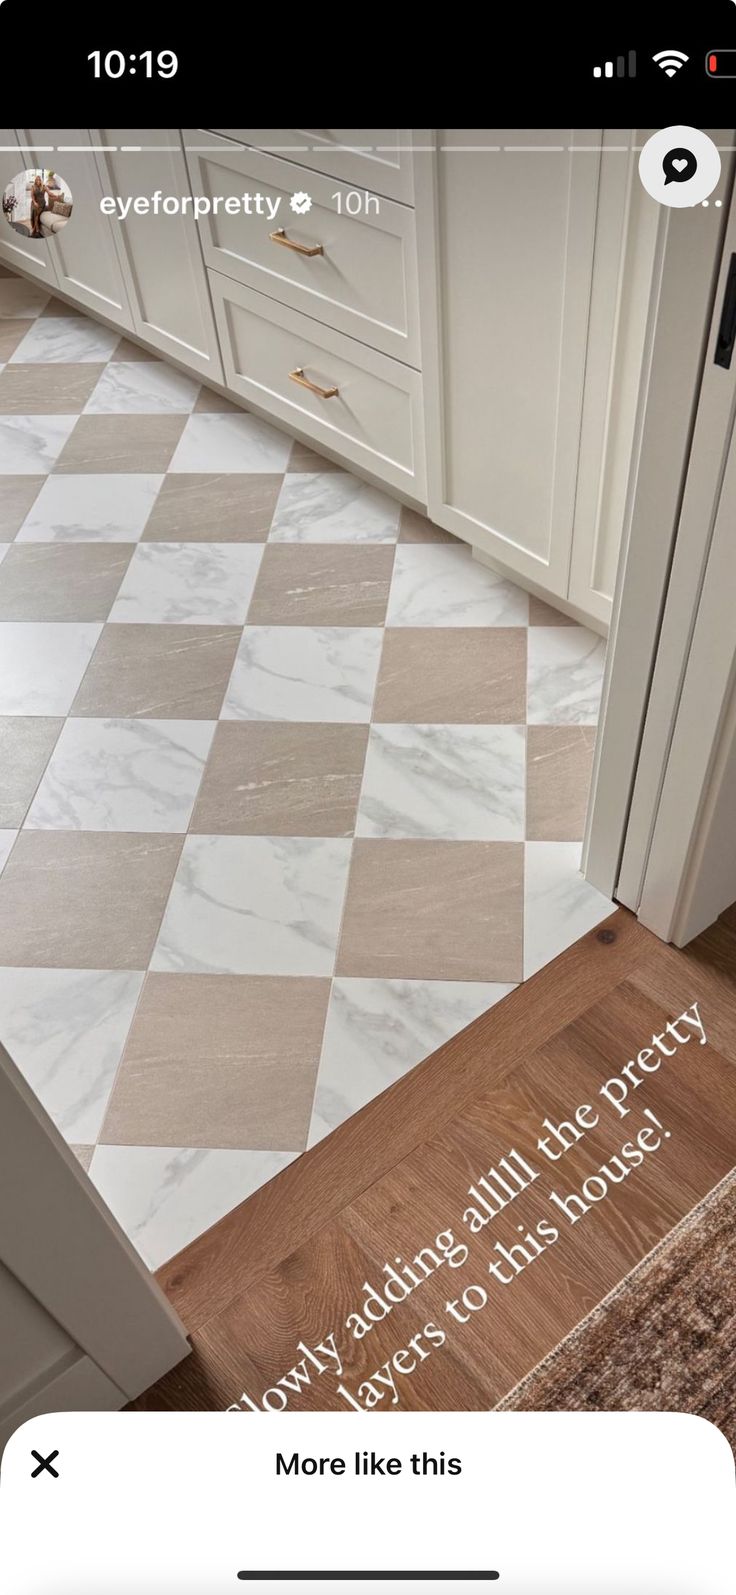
[[62, 1244], [690, 871], [635, 727]]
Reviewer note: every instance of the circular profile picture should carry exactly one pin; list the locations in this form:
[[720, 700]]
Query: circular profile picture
[[37, 203]]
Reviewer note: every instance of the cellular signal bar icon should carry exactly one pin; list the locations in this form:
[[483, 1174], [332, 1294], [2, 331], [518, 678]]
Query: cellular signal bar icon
[[625, 67]]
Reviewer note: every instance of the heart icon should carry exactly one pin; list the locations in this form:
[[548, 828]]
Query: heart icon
[[679, 165]]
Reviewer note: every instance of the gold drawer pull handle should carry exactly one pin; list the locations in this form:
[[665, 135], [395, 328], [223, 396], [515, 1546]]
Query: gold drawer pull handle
[[304, 382], [279, 237]]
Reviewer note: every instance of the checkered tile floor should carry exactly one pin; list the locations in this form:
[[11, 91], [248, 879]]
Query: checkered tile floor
[[292, 788]]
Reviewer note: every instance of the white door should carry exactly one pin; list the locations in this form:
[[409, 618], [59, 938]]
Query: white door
[[83, 1325], [662, 755], [690, 871]]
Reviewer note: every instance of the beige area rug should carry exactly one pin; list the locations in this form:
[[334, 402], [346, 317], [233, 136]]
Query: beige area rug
[[664, 1340]]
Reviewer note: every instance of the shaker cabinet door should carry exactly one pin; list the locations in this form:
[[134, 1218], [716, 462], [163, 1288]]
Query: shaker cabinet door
[[505, 362], [160, 253], [83, 251], [17, 249]]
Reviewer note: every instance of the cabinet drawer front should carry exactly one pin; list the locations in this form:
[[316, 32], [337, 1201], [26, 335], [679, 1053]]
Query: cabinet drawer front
[[364, 281], [373, 421], [377, 158]]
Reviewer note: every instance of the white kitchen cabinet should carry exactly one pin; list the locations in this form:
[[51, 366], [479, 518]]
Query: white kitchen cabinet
[[505, 302], [354, 400], [536, 258], [22, 254], [160, 255], [83, 253], [378, 159], [356, 273], [474, 340]]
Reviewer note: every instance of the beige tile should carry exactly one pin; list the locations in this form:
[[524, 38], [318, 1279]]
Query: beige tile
[[11, 333], [276, 779], [26, 745], [228, 508], [220, 1061], [415, 528], [302, 458], [47, 389], [85, 899], [126, 350], [421, 910], [142, 443], [211, 403], [454, 675], [541, 614], [320, 584], [559, 764], [17, 495], [59, 307], [162, 672], [56, 581], [84, 1155]]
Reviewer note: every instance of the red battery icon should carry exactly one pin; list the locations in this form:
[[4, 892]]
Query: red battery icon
[[721, 63]]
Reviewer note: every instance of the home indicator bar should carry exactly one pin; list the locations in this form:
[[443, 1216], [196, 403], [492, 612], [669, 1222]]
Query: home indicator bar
[[366, 1576]]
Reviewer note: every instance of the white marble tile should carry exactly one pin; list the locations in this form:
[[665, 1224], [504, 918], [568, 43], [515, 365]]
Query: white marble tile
[[163, 1197], [66, 1029], [304, 673], [91, 509], [142, 387], [559, 905], [565, 675], [42, 664], [208, 584], [122, 775], [377, 1030], [333, 507], [457, 782], [230, 443], [255, 905], [440, 585], [7, 839], [21, 300], [31, 444], [67, 340]]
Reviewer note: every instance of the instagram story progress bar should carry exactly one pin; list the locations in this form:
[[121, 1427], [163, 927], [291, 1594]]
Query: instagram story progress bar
[[623, 67]]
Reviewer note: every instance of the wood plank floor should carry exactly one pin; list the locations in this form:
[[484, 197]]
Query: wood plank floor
[[290, 1264]]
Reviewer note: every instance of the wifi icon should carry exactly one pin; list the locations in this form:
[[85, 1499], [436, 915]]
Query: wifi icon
[[670, 61]]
